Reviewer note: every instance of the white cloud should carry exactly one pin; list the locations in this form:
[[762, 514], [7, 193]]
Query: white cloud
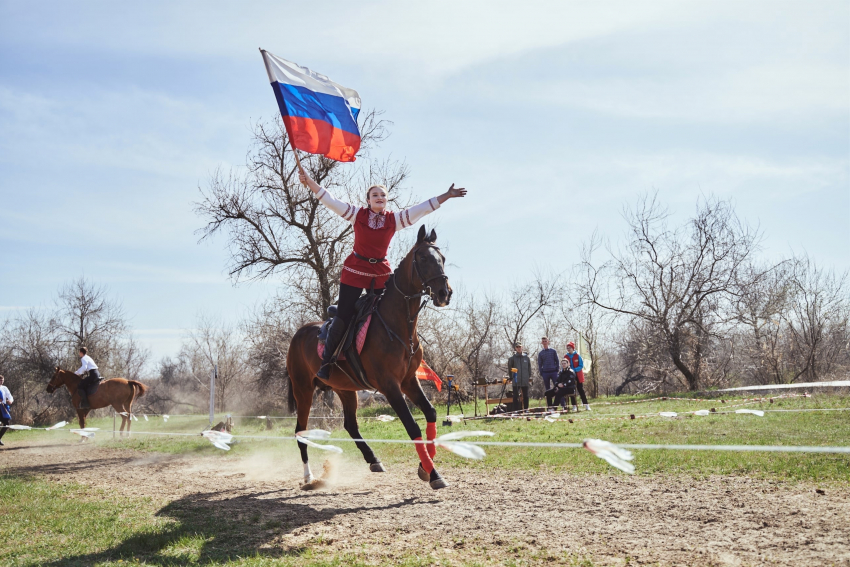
[[734, 96], [131, 129]]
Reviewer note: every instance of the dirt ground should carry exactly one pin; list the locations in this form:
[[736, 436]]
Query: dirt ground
[[535, 517]]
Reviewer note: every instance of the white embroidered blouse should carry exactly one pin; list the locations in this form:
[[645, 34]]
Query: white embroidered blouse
[[403, 219]]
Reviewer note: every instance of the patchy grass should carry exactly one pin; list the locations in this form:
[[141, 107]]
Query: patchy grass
[[66, 525], [775, 428]]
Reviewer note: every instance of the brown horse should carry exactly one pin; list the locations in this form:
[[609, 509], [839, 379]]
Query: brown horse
[[116, 392], [391, 355]]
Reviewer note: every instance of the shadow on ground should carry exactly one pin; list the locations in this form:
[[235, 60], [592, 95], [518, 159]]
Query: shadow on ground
[[210, 527]]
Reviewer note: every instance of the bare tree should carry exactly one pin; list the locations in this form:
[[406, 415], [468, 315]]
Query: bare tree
[[213, 346], [88, 317], [274, 225], [818, 319], [678, 280], [761, 304], [477, 347], [32, 347], [584, 317], [268, 332], [527, 301]]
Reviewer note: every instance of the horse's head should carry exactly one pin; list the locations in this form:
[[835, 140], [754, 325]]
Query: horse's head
[[56, 382], [429, 268]]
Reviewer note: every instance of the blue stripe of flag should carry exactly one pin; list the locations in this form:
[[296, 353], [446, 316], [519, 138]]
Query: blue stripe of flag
[[304, 103]]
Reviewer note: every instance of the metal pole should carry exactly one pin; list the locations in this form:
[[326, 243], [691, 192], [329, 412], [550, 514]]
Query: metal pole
[[212, 393]]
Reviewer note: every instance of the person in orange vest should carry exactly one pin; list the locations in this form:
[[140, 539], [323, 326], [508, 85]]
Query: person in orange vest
[[577, 364]]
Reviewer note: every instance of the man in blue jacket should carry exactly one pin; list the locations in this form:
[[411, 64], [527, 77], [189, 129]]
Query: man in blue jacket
[[547, 364]]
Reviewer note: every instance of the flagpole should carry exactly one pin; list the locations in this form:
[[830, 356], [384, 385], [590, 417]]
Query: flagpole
[[298, 161]]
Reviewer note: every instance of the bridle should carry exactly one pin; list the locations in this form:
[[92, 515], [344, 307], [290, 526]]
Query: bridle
[[51, 387], [425, 292], [426, 289]]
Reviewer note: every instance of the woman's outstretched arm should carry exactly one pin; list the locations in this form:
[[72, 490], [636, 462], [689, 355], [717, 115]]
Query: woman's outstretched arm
[[408, 217], [346, 210]]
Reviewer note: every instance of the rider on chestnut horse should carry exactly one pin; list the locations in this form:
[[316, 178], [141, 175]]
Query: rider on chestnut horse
[[91, 381], [374, 228]]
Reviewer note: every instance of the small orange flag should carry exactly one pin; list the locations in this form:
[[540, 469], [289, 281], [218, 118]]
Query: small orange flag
[[424, 372]]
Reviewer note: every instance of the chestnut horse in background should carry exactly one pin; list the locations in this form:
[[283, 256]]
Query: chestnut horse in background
[[391, 355], [116, 392]]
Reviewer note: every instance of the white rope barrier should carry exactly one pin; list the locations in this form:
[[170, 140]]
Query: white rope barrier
[[832, 384], [532, 444], [617, 455], [516, 414]]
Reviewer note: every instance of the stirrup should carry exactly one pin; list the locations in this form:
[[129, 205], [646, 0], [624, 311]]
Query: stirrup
[[327, 373]]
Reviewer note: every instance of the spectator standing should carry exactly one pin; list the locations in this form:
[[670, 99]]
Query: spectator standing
[[577, 364], [522, 378], [547, 364], [6, 400]]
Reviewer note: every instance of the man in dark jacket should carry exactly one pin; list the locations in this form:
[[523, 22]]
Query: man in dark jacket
[[521, 377], [547, 364], [565, 385]]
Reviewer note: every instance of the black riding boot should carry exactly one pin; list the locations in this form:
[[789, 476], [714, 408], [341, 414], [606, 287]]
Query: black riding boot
[[84, 398], [335, 333]]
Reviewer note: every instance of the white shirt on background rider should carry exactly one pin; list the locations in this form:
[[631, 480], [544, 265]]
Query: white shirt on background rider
[[87, 364], [6, 395]]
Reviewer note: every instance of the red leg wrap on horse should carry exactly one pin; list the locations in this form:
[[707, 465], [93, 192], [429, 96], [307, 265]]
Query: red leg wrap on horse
[[430, 435], [424, 458]]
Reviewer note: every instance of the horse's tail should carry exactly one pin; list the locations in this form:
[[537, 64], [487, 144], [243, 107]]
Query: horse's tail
[[290, 392], [141, 387]]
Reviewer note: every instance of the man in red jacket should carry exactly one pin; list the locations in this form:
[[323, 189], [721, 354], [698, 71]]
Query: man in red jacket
[[577, 364]]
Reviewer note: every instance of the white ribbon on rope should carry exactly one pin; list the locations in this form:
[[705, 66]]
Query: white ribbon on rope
[[306, 437], [88, 432], [466, 450], [751, 411], [219, 439], [615, 456]]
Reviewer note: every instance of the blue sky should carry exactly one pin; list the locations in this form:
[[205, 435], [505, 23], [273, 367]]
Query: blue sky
[[554, 115]]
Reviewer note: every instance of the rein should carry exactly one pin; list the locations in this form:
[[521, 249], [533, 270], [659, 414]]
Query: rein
[[411, 318]]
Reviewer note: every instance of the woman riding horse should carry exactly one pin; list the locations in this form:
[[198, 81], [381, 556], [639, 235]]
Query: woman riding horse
[[391, 352], [374, 228]]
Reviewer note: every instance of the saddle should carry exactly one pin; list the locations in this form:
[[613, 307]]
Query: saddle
[[355, 335], [91, 382]]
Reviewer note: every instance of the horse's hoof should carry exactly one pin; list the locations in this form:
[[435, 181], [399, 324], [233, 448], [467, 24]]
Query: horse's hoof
[[422, 474], [436, 481], [309, 479], [377, 467]]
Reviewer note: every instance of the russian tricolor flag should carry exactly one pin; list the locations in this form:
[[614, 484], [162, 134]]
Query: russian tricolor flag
[[320, 116]]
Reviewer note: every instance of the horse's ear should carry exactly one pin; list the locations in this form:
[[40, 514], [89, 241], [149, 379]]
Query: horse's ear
[[57, 369], [421, 236], [432, 238]]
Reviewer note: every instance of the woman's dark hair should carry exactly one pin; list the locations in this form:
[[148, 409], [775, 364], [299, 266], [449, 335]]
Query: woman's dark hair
[[84, 350]]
